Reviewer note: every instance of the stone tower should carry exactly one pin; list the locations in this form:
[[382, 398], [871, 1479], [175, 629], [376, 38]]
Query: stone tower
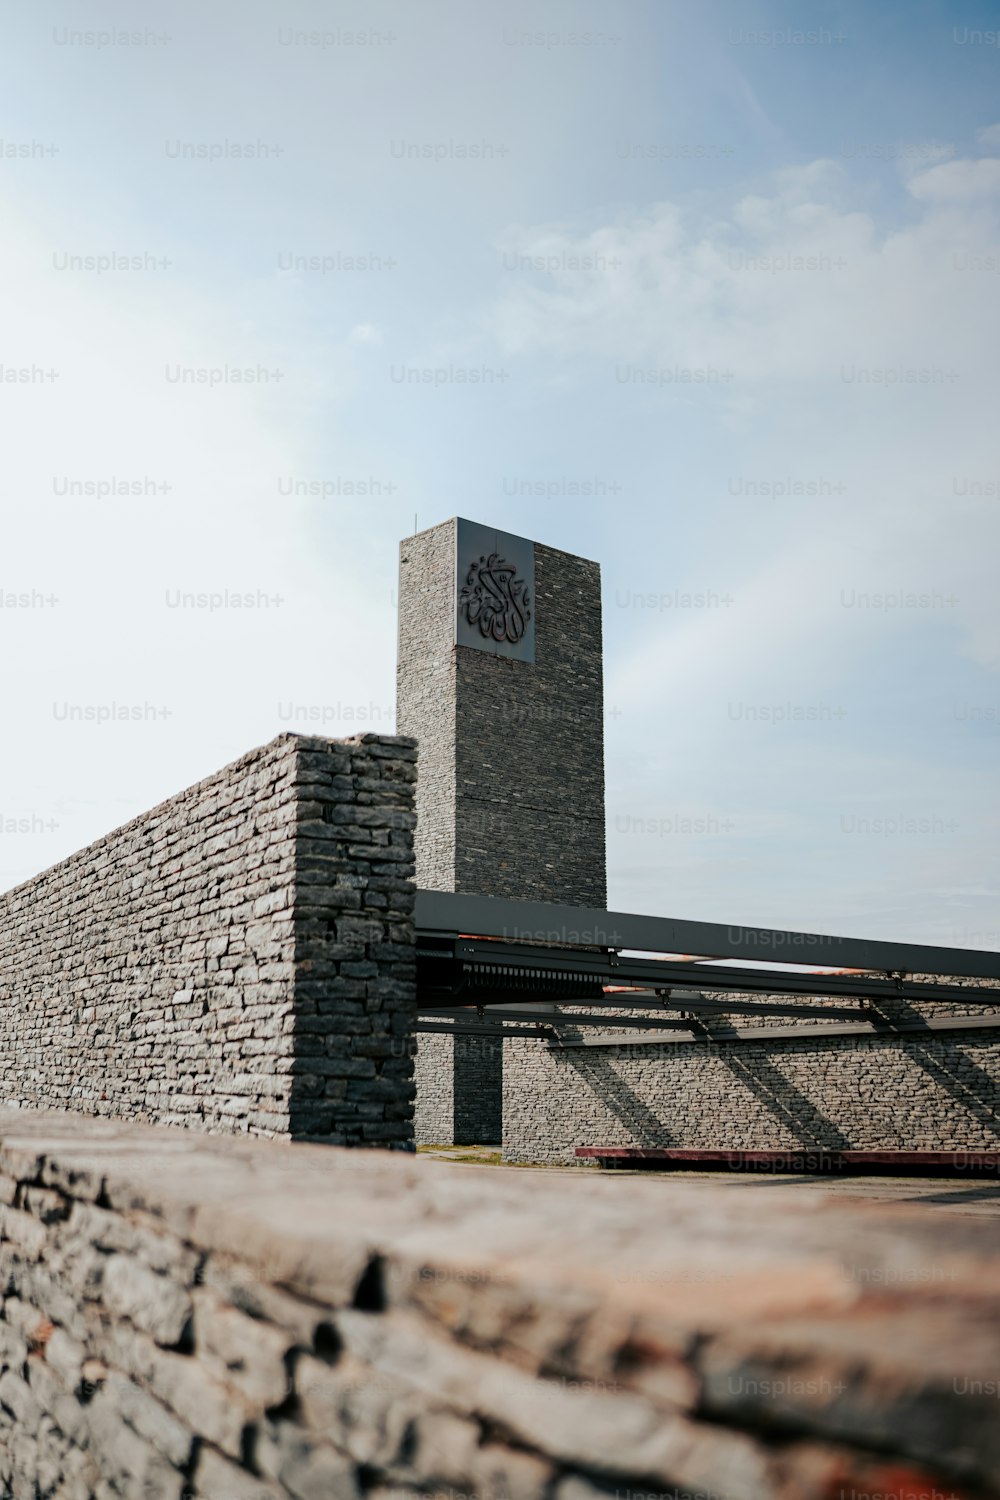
[[500, 679]]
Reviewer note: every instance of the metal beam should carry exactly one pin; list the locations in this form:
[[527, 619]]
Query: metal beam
[[485, 963], [555, 1018], [934, 1027], [639, 1000], [473, 1030], [451, 913]]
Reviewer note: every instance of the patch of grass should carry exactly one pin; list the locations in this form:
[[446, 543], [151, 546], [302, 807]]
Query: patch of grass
[[480, 1154], [485, 1156]]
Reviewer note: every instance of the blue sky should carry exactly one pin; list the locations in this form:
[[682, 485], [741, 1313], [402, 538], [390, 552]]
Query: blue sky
[[785, 218]]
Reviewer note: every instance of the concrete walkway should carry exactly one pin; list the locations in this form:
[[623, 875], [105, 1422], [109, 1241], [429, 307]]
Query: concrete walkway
[[977, 1198]]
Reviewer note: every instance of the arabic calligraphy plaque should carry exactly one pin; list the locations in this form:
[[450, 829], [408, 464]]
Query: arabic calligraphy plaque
[[495, 591]]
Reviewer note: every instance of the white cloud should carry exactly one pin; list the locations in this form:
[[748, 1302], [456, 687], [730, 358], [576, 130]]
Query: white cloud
[[788, 286], [804, 295], [958, 180]]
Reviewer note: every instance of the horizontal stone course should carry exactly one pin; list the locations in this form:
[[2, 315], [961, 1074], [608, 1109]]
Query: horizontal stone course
[[914, 1091], [161, 973], [510, 794], [363, 1323]]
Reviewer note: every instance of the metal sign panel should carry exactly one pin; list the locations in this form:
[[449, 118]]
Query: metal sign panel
[[494, 591]]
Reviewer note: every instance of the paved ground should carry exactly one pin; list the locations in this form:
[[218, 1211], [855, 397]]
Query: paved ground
[[977, 1197]]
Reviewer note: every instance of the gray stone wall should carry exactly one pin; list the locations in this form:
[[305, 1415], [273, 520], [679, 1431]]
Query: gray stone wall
[[355, 942], [434, 1081], [510, 797], [195, 1318], [935, 1091], [459, 1090], [241, 958], [530, 751], [425, 694], [478, 1072], [510, 792]]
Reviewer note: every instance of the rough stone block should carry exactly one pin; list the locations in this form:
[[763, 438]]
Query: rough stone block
[[152, 1303], [246, 1352]]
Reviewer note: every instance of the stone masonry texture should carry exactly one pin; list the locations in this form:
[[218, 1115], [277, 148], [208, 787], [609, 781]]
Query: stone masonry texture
[[510, 799], [931, 1091], [425, 694], [459, 1090], [510, 795], [239, 959], [216, 1318]]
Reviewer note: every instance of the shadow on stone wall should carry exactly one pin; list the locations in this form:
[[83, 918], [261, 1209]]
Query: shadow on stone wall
[[645, 1126], [478, 1091], [974, 1090], [933, 1058], [888, 1089], [787, 1105], [354, 987]]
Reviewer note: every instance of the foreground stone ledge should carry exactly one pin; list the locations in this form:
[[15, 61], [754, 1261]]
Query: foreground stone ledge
[[189, 1315]]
